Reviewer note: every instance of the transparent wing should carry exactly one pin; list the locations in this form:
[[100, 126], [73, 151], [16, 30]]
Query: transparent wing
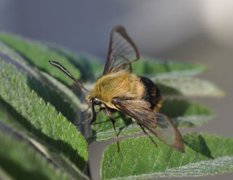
[[156, 123], [122, 51], [167, 132]]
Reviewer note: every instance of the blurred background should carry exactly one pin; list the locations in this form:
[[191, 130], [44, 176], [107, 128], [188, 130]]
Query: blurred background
[[185, 30], [155, 25]]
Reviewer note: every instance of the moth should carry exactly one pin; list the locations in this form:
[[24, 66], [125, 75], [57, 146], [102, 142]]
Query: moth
[[118, 89]]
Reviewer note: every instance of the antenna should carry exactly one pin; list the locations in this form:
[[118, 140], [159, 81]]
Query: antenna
[[65, 71]]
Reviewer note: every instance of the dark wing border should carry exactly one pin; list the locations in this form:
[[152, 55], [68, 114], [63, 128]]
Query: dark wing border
[[110, 60]]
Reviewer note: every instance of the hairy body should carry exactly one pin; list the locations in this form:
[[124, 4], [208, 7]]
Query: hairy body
[[125, 85], [120, 84]]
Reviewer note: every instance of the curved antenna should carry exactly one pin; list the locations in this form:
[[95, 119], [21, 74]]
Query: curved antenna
[[65, 71]]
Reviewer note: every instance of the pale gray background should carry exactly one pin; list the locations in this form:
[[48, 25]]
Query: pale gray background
[[188, 30]]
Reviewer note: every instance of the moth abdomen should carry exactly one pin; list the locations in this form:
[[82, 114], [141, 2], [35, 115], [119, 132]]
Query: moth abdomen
[[151, 93]]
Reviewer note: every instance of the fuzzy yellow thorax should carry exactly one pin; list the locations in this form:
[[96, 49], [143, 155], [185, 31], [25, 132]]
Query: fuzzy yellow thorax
[[120, 84]]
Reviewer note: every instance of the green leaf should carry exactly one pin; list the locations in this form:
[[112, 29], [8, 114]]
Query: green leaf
[[51, 90], [39, 55], [20, 160], [185, 113], [188, 86], [9, 117], [39, 117], [182, 112], [139, 158], [13, 56], [156, 68]]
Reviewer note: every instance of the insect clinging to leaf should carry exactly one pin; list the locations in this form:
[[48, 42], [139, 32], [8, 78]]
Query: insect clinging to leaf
[[135, 96]]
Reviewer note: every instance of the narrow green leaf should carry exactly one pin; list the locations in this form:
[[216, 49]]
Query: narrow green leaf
[[185, 113], [160, 68], [41, 118], [7, 51], [11, 118], [188, 86], [20, 160], [182, 112], [139, 158], [8, 116], [50, 89], [39, 55]]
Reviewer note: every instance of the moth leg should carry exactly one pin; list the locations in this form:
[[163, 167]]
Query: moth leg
[[143, 129], [114, 127], [93, 118]]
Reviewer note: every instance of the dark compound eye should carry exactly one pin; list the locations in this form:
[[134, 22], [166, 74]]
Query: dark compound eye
[[97, 101]]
